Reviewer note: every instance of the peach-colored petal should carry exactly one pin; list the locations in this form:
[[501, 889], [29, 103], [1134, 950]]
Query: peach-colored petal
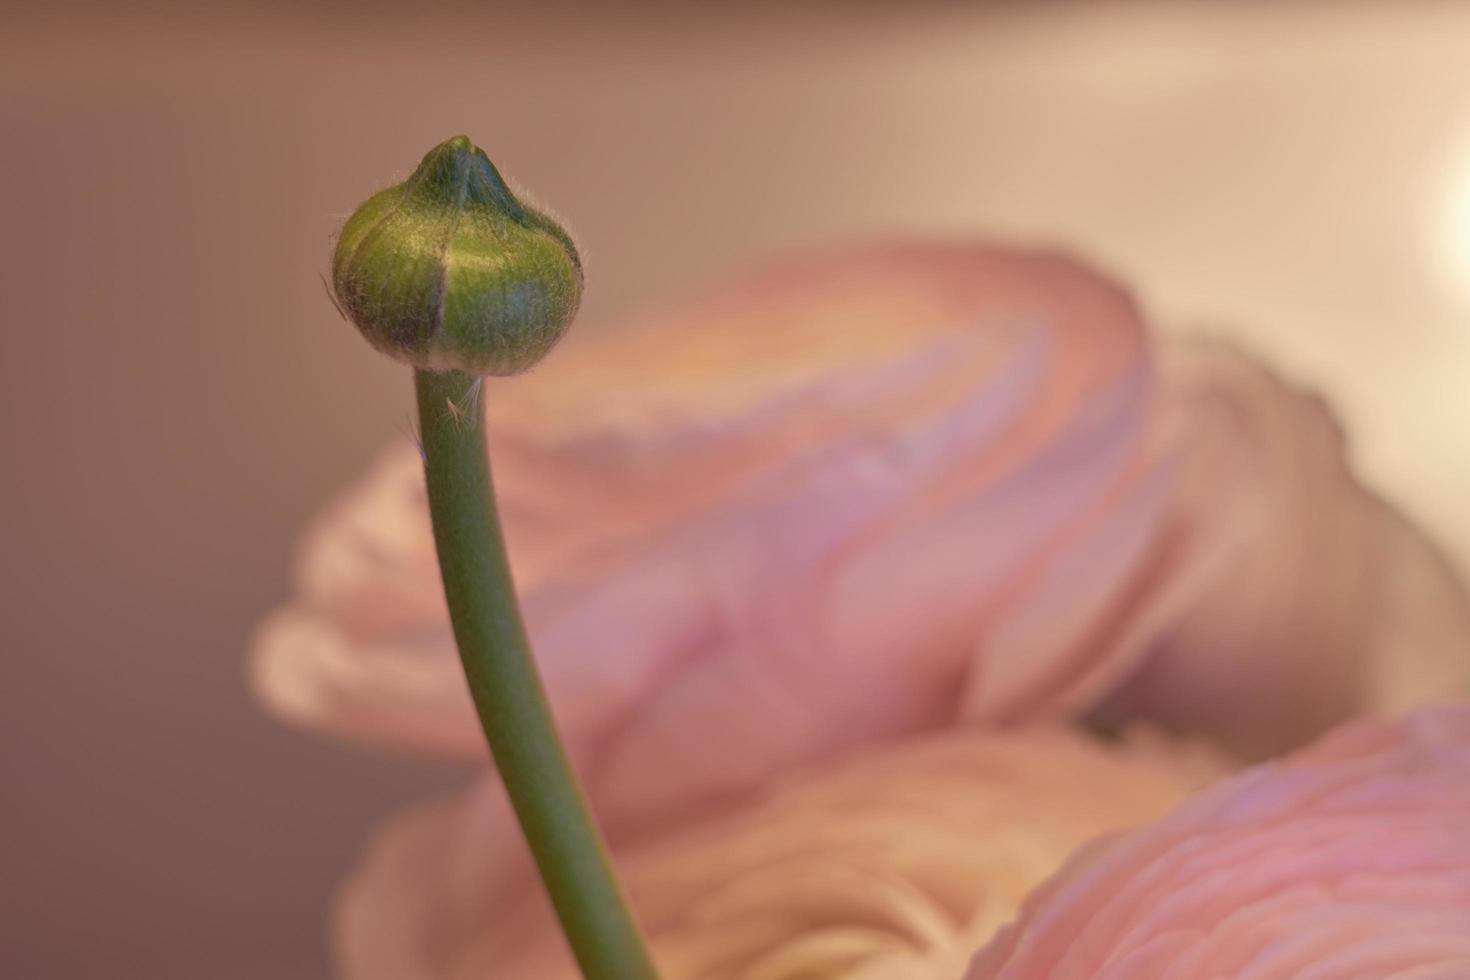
[[1348, 861], [888, 863]]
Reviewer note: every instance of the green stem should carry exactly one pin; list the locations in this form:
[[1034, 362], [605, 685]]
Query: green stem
[[507, 689]]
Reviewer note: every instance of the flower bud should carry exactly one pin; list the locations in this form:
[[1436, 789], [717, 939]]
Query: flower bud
[[447, 270]]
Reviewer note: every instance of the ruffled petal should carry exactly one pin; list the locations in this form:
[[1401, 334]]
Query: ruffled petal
[[889, 862], [1348, 861]]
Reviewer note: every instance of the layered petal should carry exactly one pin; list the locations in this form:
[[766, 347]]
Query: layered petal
[[889, 862], [1350, 860], [757, 529], [877, 491]]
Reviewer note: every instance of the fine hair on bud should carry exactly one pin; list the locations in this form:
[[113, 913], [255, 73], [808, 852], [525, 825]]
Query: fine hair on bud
[[449, 270]]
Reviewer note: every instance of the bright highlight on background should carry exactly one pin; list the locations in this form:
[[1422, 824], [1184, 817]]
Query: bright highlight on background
[[1454, 255]]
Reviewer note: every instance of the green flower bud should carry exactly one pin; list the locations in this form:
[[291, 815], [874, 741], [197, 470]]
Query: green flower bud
[[447, 270]]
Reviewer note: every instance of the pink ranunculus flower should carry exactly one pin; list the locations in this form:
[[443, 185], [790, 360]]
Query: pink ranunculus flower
[[876, 491], [892, 862], [1350, 860]]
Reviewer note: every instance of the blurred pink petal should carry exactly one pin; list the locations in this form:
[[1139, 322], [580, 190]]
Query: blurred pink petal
[[873, 492], [1298, 599], [1348, 861], [891, 862]]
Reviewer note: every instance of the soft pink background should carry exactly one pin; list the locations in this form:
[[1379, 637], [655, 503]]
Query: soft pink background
[[177, 394]]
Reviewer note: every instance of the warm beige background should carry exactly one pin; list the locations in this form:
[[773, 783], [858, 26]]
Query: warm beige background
[[177, 394]]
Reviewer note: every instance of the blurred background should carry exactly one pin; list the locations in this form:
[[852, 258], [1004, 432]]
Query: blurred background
[[178, 395]]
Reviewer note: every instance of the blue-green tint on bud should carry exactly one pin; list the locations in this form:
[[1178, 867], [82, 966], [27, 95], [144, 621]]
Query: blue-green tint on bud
[[447, 270]]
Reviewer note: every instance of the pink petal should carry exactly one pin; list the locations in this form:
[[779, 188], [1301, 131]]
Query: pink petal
[[1293, 598], [798, 467], [1348, 861], [877, 491]]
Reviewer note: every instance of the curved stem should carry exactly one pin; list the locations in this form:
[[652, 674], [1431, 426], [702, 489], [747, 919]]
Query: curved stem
[[507, 688]]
